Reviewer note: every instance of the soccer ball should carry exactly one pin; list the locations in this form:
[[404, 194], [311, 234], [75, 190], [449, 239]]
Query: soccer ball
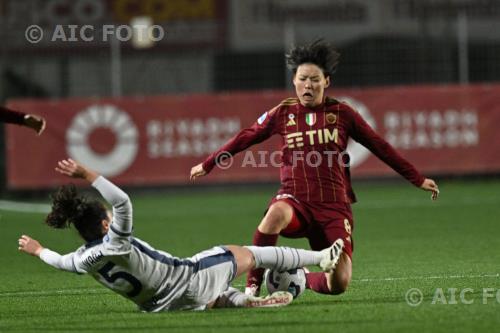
[[293, 281]]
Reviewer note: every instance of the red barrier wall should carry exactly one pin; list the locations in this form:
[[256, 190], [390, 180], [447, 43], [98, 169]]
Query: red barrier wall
[[156, 140]]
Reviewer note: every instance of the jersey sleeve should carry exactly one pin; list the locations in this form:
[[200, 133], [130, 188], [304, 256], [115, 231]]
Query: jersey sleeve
[[365, 135], [11, 116], [121, 225], [261, 130], [63, 262]]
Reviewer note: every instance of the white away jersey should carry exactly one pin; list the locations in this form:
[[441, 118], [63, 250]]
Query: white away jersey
[[153, 279]]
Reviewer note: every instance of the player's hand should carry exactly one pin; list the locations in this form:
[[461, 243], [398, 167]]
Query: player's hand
[[72, 169], [197, 171], [29, 245], [34, 122], [431, 186]]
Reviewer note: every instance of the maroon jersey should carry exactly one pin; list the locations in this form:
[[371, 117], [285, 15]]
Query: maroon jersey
[[10, 116], [312, 141]]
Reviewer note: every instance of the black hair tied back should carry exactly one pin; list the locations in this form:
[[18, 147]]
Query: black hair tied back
[[66, 207]]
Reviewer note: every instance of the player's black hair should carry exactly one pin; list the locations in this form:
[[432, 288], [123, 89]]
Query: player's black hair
[[68, 207], [320, 53]]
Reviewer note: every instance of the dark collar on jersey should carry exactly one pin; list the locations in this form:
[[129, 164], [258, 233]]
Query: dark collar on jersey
[[93, 243], [327, 101]]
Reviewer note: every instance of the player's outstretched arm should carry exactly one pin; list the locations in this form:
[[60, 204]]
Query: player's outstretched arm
[[122, 207], [197, 171], [30, 246], [431, 186], [35, 122], [72, 169], [258, 132], [32, 121]]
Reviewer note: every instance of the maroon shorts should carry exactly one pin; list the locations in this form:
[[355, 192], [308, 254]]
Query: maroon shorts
[[321, 223]]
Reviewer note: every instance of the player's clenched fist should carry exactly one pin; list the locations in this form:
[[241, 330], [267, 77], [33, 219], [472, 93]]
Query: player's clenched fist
[[197, 171]]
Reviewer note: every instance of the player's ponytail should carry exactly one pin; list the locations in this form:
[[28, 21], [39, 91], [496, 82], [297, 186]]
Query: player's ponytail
[[70, 208]]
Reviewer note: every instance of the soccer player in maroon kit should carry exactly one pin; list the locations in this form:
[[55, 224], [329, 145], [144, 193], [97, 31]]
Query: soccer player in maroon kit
[[315, 197], [32, 121]]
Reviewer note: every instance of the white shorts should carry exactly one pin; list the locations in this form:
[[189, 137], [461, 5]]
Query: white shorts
[[215, 270]]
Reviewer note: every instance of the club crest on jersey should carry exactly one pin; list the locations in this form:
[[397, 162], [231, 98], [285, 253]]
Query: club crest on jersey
[[311, 119], [262, 118], [291, 122], [331, 118]]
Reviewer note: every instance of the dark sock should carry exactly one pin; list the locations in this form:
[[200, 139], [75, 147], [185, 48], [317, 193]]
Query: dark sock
[[259, 239], [317, 281]]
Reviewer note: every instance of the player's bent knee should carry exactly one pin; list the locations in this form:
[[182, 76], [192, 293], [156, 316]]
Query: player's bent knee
[[276, 214], [340, 284], [277, 218], [340, 279], [244, 259]]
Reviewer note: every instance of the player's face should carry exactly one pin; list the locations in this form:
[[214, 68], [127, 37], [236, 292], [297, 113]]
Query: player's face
[[310, 84]]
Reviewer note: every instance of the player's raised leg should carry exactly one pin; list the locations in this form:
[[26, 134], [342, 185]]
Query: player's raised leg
[[284, 258], [275, 258]]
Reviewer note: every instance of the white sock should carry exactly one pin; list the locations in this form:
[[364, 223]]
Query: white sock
[[231, 298], [283, 258]]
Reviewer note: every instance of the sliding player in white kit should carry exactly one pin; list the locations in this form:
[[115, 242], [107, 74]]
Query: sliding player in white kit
[[155, 280]]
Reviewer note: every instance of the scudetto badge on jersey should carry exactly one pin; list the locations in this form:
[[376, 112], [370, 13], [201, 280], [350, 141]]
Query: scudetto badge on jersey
[[311, 119], [262, 118]]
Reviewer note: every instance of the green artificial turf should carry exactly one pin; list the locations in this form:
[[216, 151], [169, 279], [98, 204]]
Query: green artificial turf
[[402, 241]]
